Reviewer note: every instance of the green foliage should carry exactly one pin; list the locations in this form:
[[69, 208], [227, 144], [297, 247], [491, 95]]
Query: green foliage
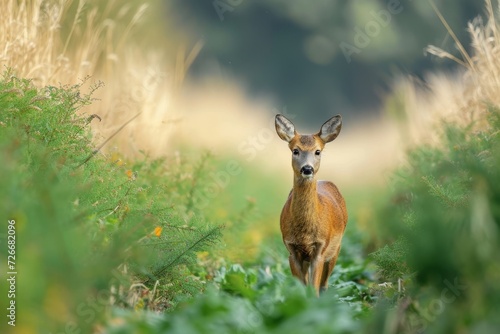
[[253, 300], [89, 226], [391, 260], [265, 298], [443, 229]]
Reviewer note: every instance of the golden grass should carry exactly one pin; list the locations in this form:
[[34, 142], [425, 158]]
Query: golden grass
[[27, 48], [35, 46], [461, 97], [485, 71], [56, 42]]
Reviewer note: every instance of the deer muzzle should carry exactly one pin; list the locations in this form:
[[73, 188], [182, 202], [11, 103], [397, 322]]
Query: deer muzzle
[[307, 171]]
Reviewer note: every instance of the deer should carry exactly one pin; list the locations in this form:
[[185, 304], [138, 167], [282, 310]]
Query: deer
[[314, 217]]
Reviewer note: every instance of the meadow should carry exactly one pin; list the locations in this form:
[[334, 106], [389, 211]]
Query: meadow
[[127, 222]]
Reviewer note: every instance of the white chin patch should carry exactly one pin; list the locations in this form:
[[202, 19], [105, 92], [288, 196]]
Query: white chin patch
[[310, 176]]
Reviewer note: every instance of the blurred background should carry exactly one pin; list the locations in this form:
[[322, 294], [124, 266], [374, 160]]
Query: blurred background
[[318, 58], [235, 64], [212, 74], [227, 67]]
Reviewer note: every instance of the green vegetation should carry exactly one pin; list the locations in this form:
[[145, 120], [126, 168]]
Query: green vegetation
[[89, 226], [262, 300], [444, 216]]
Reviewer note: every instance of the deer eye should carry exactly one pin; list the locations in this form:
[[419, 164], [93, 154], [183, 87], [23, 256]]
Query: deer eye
[[295, 151], [318, 152]]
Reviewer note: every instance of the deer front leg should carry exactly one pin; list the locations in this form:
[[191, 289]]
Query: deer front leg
[[315, 273], [297, 263], [316, 266], [295, 268], [327, 270]]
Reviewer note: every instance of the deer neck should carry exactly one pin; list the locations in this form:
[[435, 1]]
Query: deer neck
[[305, 197]]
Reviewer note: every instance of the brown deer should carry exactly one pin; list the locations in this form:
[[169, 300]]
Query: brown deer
[[314, 217]]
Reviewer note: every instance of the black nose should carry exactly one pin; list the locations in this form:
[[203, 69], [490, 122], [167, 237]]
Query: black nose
[[307, 170]]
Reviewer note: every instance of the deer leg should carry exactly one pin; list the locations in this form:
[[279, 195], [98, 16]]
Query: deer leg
[[315, 273], [295, 268], [297, 263], [316, 267], [327, 271]]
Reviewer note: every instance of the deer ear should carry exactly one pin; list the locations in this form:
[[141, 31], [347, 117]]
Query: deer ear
[[284, 128], [331, 129]]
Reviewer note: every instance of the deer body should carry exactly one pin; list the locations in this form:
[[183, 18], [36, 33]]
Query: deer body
[[314, 216]]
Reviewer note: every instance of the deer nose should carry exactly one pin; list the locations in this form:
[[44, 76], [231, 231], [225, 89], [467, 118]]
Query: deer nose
[[307, 170]]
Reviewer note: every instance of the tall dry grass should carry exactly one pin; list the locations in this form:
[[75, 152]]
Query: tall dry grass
[[60, 42], [463, 96]]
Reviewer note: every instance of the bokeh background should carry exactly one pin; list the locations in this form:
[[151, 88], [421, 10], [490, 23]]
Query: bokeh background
[[313, 57], [212, 74]]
